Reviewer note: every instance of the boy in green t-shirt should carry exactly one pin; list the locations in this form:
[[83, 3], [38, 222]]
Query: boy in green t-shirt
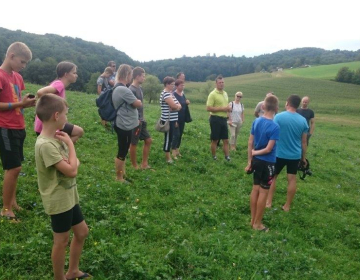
[[57, 167]]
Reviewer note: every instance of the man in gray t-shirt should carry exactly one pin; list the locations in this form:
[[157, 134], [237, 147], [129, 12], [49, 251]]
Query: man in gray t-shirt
[[140, 132], [259, 111]]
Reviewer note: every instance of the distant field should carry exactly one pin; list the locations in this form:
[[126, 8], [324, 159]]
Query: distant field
[[325, 72]]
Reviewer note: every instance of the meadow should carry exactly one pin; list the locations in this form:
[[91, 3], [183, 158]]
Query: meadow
[[190, 220]]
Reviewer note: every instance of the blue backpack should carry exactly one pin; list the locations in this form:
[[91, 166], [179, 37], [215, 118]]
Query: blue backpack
[[105, 104]]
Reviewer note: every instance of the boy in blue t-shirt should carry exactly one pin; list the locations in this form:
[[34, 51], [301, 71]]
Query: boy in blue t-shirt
[[262, 158]]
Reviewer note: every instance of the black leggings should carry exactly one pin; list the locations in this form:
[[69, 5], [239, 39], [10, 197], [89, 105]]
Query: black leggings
[[124, 140]]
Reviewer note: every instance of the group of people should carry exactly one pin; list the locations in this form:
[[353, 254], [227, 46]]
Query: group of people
[[276, 141]]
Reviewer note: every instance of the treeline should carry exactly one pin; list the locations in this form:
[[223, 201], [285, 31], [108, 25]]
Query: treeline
[[91, 59], [345, 75]]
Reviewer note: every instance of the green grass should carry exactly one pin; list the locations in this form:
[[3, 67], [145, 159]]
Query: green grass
[[324, 72], [190, 220]]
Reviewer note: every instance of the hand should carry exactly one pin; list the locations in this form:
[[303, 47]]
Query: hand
[[64, 137], [27, 101], [187, 101], [228, 109], [253, 152], [248, 167], [78, 162], [304, 162]]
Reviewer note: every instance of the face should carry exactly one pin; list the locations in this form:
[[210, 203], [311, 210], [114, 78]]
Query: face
[[220, 84], [18, 62], [170, 87], [113, 67], [238, 97], [182, 77], [305, 102], [61, 118], [181, 87], [141, 78], [72, 75]]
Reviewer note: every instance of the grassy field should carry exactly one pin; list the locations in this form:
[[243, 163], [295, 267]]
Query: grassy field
[[324, 72], [190, 220]]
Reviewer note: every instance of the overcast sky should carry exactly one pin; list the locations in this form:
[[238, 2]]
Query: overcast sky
[[159, 29]]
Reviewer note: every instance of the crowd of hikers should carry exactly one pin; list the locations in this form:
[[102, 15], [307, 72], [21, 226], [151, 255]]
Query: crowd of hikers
[[276, 140]]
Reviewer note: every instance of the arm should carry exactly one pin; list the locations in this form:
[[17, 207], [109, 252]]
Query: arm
[[250, 147], [266, 150], [218, 109], [173, 106], [229, 114], [99, 89], [312, 125], [45, 90], [304, 148], [67, 167], [24, 103], [137, 103], [242, 116]]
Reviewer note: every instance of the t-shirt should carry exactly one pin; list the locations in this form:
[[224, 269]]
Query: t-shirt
[[308, 114], [11, 86], [236, 112], [137, 91], [182, 101], [60, 90], [265, 130], [165, 108], [127, 116], [103, 82], [218, 98], [292, 127], [58, 192], [259, 108]]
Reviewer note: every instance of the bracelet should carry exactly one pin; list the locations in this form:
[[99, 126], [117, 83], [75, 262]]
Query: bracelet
[[9, 106]]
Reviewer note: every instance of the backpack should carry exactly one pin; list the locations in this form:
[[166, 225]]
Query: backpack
[[105, 104]]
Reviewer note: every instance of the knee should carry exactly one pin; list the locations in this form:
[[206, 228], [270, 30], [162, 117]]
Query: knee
[[62, 241], [148, 141], [14, 171], [81, 235], [78, 131]]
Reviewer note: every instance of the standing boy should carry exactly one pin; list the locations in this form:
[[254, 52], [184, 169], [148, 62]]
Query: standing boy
[[140, 132], [309, 115], [12, 124], [261, 159], [57, 167]]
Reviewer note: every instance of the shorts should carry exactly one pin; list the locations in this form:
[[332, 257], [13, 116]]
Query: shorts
[[11, 147], [139, 133], [124, 139], [219, 128], [291, 165], [64, 221], [68, 128], [264, 172]]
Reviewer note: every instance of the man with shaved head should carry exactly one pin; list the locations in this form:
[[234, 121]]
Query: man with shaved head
[[308, 114]]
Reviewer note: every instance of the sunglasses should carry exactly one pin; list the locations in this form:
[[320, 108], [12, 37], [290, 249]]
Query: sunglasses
[[239, 96]]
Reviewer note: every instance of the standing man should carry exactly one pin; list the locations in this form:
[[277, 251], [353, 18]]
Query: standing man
[[309, 115], [218, 106], [259, 109], [291, 148], [180, 76], [140, 132], [111, 79]]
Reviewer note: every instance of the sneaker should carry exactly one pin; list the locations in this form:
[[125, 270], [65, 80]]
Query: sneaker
[[214, 158], [227, 158]]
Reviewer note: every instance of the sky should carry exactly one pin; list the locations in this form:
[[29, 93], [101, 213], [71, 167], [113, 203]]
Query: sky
[[158, 29]]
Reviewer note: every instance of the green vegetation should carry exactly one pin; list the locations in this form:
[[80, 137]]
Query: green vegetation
[[190, 220], [324, 72]]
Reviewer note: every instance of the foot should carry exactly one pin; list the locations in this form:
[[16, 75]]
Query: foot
[[268, 205], [227, 158], [136, 167], [214, 158], [16, 207], [261, 228], [286, 209], [9, 216], [78, 275], [179, 155], [170, 161]]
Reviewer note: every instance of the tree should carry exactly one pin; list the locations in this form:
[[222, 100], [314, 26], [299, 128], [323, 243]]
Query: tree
[[344, 75], [356, 77], [91, 85], [152, 88]]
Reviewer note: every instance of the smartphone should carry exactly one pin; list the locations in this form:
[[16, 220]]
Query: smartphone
[[31, 96]]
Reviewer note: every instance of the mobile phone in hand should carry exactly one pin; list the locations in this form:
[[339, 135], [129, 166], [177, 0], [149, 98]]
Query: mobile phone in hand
[[31, 96]]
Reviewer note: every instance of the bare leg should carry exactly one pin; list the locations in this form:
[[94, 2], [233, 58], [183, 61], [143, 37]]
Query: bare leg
[[253, 202], [61, 241], [167, 156], [260, 208], [77, 133], [9, 190], [133, 156], [80, 233], [213, 147], [271, 192], [290, 191], [120, 169], [146, 152], [226, 147]]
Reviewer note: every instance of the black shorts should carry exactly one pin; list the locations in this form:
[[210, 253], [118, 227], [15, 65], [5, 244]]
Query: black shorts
[[219, 128], [124, 139], [291, 165], [139, 133], [64, 221], [68, 128], [263, 172], [11, 147]]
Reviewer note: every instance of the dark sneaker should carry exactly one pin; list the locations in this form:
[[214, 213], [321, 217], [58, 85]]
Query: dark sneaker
[[227, 158], [214, 158]]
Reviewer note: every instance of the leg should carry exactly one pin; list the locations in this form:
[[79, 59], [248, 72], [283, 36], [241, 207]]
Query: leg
[[77, 133], [146, 152], [120, 169], [61, 241], [226, 147], [181, 130], [290, 191], [232, 137], [9, 190], [80, 233], [168, 137], [260, 208], [133, 156], [213, 146], [253, 202], [271, 192], [175, 141]]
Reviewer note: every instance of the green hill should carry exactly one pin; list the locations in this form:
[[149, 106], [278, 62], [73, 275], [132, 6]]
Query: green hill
[[325, 72]]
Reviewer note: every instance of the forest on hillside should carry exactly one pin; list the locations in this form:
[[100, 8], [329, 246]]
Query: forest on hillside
[[91, 59]]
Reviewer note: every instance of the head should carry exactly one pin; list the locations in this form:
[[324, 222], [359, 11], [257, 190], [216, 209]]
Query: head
[[293, 101], [271, 103], [18, 56], [238, 96], [51, 108], [108, 72], [269, 94], [139, 75], [179, 85], [112, 64], [169, 83], [305, 102], [124, 74], [180, 76], [68, 70], [219, 82]]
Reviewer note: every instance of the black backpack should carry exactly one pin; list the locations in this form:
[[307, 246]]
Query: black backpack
[[105, 104]]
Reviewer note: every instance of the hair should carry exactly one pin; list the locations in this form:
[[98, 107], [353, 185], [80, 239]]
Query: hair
[[294, 100], [179, 74], [219, 77], [138, 71], [306, 97], [123, 71], [179, 82], [64, 67], [271, 103], [168, 80], [48, 105], [269, 93], [111, 62], [20, 49], [109, 70], [239, 92]]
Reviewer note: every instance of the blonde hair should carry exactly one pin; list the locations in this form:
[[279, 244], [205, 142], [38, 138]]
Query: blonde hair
[[108, 70], [123, 72], [48, 105], [20, 49], [239, 92]]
